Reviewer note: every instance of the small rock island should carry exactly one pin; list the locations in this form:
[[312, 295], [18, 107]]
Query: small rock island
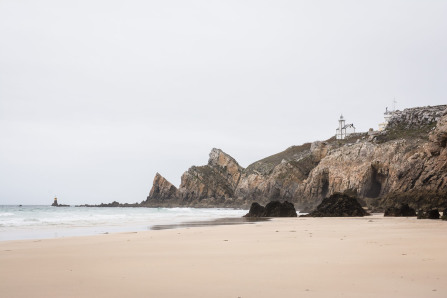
[[56, 204]]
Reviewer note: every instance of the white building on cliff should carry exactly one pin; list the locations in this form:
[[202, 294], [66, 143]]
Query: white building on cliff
[[343, 130], [387, 116]]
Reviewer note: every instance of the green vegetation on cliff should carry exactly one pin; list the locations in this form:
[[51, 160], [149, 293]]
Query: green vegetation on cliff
[[266, 165], [400, 131]]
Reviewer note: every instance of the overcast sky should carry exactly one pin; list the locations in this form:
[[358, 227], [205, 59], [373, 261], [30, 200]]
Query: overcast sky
[[97, 96]]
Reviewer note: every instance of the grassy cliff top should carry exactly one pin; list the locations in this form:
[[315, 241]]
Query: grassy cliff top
[[265, 166]]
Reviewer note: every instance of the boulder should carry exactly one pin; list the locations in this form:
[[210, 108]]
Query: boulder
[[428, 214], [403, 210], [444, 214], [338, 205], [272, 209], [256, 210], [278, 209]]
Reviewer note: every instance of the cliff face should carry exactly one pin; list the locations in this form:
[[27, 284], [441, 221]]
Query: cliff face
[[367, 169], [217, 180], [409, 157], [162, 191], [279, 177], [206, 186], [407, 163]]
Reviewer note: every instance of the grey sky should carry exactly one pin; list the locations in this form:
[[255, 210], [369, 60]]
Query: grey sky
[[97, 96]]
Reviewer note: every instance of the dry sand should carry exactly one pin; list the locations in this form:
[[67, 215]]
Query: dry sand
[[294, 257]]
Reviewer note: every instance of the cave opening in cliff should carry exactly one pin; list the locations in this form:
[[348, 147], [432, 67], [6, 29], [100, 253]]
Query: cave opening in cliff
[[374, 187]]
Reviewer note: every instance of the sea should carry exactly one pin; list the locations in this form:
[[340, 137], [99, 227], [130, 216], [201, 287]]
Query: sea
[[44, 222]]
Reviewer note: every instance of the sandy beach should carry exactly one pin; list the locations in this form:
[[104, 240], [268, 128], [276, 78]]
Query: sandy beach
[[294, 257]]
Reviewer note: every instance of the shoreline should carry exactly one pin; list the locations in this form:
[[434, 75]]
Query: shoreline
[[371, 256], [93, 231], [228, 221], [46, 222]]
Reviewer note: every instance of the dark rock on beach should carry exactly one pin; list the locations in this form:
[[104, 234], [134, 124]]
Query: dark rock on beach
[[444, 214], [428, 214], [403, 210], [256, 210], [278, 209], [272, 209], [338, 205]]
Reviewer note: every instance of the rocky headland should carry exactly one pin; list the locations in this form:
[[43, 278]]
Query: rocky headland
[[405, 164]]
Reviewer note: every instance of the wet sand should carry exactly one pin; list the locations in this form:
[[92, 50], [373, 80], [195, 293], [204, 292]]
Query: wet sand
[[216, 222], [294, 257]]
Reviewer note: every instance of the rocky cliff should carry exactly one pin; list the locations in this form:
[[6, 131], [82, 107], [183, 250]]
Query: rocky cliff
[[163, 191], [213, 184], [405, 164]]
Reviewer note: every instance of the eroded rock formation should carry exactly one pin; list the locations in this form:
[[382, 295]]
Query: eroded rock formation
[[163, 192], [217, 180], [211, 185]]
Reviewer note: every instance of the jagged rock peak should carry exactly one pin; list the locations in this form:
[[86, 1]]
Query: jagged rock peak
[[162, 189], [162, 181], [220, 158], [228, 164], [218, 179]]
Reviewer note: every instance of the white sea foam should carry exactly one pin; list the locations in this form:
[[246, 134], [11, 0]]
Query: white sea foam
[[31, 222], [6, 214]]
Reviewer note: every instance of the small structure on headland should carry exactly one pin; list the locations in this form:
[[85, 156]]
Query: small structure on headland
[[344, 130], [387, 116]]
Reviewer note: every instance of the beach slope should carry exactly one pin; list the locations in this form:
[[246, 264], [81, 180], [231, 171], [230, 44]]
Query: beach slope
[[290, 257]]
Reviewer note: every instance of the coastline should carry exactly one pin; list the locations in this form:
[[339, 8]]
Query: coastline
[[373, 256], [46, 222]]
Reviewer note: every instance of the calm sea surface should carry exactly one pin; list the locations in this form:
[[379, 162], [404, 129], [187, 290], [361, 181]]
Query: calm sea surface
[[39, 222]]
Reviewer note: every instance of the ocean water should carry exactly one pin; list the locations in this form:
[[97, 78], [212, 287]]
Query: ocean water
[[42, 222]]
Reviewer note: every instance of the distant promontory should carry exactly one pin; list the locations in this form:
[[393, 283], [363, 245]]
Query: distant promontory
[[406, 163]]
